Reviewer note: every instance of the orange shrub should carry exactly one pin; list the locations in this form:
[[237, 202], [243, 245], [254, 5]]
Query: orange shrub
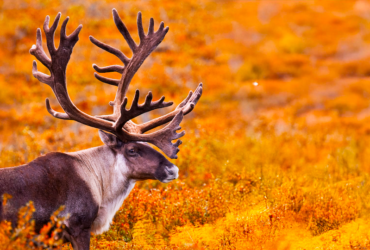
[[276, 154]]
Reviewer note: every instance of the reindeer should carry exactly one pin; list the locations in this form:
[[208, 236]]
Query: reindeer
[[93, 183]]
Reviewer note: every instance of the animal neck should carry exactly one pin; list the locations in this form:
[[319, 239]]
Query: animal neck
[[109, 171], [112, 183]]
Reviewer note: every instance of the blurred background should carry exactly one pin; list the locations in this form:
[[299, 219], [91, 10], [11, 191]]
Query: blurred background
[[277, 150]]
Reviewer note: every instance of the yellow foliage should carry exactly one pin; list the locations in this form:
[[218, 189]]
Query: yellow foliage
[[354, 235]]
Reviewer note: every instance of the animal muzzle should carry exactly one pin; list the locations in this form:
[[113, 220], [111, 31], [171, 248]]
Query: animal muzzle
[[172, 172]]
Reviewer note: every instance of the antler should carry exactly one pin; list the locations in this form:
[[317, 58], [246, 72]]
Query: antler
[[147, 44], [140, 52], [119, 122]]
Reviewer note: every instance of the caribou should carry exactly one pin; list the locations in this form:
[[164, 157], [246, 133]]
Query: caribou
[[93, 183]]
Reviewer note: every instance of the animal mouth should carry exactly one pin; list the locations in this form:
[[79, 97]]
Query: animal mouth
[[167, 180]]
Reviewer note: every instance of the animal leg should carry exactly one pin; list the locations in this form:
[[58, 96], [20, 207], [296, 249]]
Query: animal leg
[[82, 241]]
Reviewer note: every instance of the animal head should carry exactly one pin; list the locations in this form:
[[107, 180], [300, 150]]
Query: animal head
[[139, 160]]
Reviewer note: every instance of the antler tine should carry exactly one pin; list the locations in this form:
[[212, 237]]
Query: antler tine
[[124, 31], [54, 113], [140, 27], [47, 79], [107, 80], [63, 35], [189, 103], [72, 39], [151, 26], [38, 51], [112, 68], [49, 32], [111, 50]]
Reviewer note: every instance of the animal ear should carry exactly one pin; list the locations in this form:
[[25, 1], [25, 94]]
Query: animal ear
[[109, 139]]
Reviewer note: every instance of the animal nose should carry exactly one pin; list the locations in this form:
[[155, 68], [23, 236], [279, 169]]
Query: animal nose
[[172, 171], [169, 171]]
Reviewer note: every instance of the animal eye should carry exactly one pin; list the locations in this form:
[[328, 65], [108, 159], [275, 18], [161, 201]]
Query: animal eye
[[132, 151]]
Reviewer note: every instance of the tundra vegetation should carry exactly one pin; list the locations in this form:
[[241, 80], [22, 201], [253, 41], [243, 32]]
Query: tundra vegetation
[[277, 155]]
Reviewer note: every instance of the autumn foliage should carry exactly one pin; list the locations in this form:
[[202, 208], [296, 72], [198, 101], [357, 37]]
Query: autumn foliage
[[277, 151]]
